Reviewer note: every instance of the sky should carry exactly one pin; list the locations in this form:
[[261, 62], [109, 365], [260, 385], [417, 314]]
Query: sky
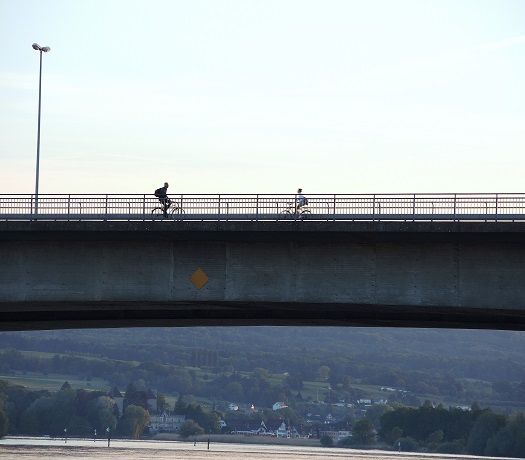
[[245, 96]]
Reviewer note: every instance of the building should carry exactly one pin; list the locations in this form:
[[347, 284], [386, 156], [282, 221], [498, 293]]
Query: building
[[152, 400], [282, 431], [165, 422], [118, 397], [336, 435], [279, 405], [253, 429]]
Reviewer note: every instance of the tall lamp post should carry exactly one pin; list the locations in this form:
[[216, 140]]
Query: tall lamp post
[[41, 49]]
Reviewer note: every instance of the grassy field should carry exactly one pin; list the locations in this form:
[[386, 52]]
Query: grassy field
[[53, 382]]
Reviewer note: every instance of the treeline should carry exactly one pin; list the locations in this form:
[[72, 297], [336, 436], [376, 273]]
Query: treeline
[[230, 386], [226, 382], [454, 431], [85, 413], [67, 412], [70, 412], [352, 351]]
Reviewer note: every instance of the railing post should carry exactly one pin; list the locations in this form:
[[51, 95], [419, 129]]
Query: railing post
[[106, 208], [257, 208], [335, 199], [31, 209], [497, 207], [414, 208], [455, 207]]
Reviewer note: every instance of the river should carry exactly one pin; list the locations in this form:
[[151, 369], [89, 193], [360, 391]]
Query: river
[[46, 448]]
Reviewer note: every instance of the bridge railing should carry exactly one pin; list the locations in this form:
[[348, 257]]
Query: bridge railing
[[404, 207]]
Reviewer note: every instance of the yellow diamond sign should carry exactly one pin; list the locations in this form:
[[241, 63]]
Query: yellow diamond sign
[[199, 278]]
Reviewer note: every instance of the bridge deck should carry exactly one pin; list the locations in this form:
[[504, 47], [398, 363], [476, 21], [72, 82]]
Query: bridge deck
[[271, 217], [403, 207]]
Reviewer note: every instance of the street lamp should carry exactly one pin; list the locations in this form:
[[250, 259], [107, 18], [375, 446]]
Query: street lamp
[[41, 49]]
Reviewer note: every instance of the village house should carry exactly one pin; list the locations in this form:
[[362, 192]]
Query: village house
[[165, 422], [118, 397], [336, 435], [285, 431], [253, 429], [282, 431], [279, 405]]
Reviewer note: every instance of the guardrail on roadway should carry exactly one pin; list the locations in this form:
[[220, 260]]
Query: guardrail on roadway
[[321, 207]]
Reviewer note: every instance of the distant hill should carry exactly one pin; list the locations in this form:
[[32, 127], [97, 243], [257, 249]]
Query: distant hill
[[464, 353]]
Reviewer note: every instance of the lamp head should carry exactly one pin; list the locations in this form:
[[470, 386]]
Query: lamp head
[[37, 47]]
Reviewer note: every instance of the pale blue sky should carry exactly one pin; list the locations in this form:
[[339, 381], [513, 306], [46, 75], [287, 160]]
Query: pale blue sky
[[225, 96]]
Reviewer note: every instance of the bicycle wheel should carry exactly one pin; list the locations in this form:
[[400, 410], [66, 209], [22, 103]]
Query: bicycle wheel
[[176, 209], [304, 214], [176, 212], [157, 213]]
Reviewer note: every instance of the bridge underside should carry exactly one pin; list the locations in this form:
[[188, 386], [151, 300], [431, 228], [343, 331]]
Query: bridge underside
[[81, 315], [62, 275]]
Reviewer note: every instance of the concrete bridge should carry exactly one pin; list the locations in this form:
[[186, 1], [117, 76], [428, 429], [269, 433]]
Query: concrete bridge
[[82, 274]]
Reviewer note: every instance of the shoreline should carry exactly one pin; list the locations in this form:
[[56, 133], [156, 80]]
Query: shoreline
[[219, 446]]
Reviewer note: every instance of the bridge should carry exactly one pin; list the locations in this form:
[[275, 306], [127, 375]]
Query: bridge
[[455, 261]]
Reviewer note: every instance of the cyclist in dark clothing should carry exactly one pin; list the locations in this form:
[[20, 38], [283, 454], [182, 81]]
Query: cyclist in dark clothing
[[162, 195]]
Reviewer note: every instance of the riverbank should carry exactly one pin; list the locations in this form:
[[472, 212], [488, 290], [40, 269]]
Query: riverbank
[[239, 439]]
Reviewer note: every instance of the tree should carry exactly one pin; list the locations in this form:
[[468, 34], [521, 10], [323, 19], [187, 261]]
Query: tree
[[395, 434], [486, 426], [190, 428], [323, 373], [179, 381], [205, 419], [326, 441], [180, 406], [135, 419], [375, 412], [4, 423], [294, 381], [407, 444], [162, 404], [510, 440], [261, 374], [36, 419], [233, 391], [363, 432], [134, 397], [105, 419], [435, 437]]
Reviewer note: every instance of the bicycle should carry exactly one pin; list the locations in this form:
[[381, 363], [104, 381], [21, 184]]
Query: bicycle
[[173, 208], [292, 209]]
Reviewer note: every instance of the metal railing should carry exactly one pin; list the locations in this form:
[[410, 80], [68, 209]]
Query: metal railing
[[495, 207]]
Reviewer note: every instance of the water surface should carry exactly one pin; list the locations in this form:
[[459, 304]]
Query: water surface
[[46, 448]]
